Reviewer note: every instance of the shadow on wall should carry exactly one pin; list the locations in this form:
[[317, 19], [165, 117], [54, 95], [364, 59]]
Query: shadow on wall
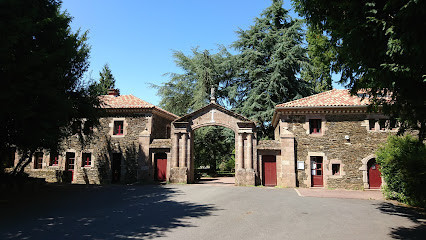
[[130, 156], [418, 218], [98, 212]]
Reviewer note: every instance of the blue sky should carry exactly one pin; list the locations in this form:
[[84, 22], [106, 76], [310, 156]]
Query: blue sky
[[137, 37]]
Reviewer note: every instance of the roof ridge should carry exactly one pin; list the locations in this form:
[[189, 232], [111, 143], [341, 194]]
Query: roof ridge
[[308, 97], [331, 98]]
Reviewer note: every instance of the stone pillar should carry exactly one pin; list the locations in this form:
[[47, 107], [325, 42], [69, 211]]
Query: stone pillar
[[287, 177], [240, 151], [179, 169], [184, 150], [175, 155], [245, 175], [250, 151]]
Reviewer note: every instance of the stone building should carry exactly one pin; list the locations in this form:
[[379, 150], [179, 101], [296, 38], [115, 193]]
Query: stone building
[[124, 148], [324, 140]]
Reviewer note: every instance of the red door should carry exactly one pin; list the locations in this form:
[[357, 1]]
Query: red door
[[269, 170], [317, 172], [374, 177], [161, 167]]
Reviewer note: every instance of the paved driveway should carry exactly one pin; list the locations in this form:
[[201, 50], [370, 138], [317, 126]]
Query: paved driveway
[[201, 212]]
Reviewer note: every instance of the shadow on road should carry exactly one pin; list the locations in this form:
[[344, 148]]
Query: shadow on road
[[98, 212], [418, 218]]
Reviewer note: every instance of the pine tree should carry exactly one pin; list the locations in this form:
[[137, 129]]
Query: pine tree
[[271, 58], [106, 81]]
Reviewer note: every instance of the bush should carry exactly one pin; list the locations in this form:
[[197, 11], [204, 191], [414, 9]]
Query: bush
[[402, 163]]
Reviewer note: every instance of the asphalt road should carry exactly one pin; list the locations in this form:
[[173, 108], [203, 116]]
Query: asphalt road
[[200, 212]]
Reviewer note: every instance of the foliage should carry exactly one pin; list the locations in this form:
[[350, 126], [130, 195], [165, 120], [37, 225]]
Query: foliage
[[213, 146], [190, 90], [380, 47], [41, 65], [321, 54], [402, 163], [271, 58], [106, 81], [263, 73], [229, 164]]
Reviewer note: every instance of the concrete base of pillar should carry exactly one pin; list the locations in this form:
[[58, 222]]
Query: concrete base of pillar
[[245, 177], [287, 181], [179, 175]]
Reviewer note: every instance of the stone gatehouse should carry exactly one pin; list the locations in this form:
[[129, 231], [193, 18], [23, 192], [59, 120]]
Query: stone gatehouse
[[324, 140]]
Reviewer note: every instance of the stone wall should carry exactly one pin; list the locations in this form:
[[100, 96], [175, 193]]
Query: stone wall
[[101, 145], [334, 147], [159, 125]]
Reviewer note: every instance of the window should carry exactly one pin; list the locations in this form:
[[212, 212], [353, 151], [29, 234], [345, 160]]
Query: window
[[38, 160], [86, 159], [335, 169], [372, 124], [382, 124], [314, 126], [53, 159], [118, 127]]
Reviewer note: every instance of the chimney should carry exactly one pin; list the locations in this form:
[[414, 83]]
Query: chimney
[[114, 92]]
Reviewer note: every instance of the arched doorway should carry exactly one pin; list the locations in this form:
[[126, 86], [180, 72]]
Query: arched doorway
[[374, 176], [182, 163], [214, 158], [371, 175]]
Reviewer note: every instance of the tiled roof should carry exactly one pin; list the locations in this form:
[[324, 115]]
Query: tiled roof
[[332, 98], [161, 143], [268, 145], [128, 101], [124, 101]]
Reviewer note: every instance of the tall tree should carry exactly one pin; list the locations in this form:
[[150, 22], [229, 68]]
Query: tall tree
[[270, 61], [106, 81], [321, 54], [190, 90], [380, 48], [41, 65]]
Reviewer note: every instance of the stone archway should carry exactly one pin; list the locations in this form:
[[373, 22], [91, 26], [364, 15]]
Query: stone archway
[[182, 163]]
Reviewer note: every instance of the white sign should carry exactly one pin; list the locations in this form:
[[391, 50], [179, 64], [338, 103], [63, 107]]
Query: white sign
[[300, 165]]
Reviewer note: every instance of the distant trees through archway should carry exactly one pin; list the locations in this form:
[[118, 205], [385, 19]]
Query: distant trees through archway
[[214, 150]]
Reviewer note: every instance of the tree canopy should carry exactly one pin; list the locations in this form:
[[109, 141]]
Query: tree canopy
[[264, 72], [106, 81], [380, 48], [270, 59], [41, 67]]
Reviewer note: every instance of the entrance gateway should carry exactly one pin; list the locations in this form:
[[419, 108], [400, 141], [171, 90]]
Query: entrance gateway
[[182, 159]]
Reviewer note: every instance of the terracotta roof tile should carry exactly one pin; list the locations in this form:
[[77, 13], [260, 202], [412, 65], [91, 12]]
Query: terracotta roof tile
[[128, 101], [332, 98], [124, 101]]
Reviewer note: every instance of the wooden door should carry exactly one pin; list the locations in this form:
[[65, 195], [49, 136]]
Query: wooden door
[[317, 172], [161, 167], [116, 167], [269, 170], [374, 176], [69, 163]]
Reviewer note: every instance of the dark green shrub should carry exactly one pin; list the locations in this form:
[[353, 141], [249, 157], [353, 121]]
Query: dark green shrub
[[403, 166]]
